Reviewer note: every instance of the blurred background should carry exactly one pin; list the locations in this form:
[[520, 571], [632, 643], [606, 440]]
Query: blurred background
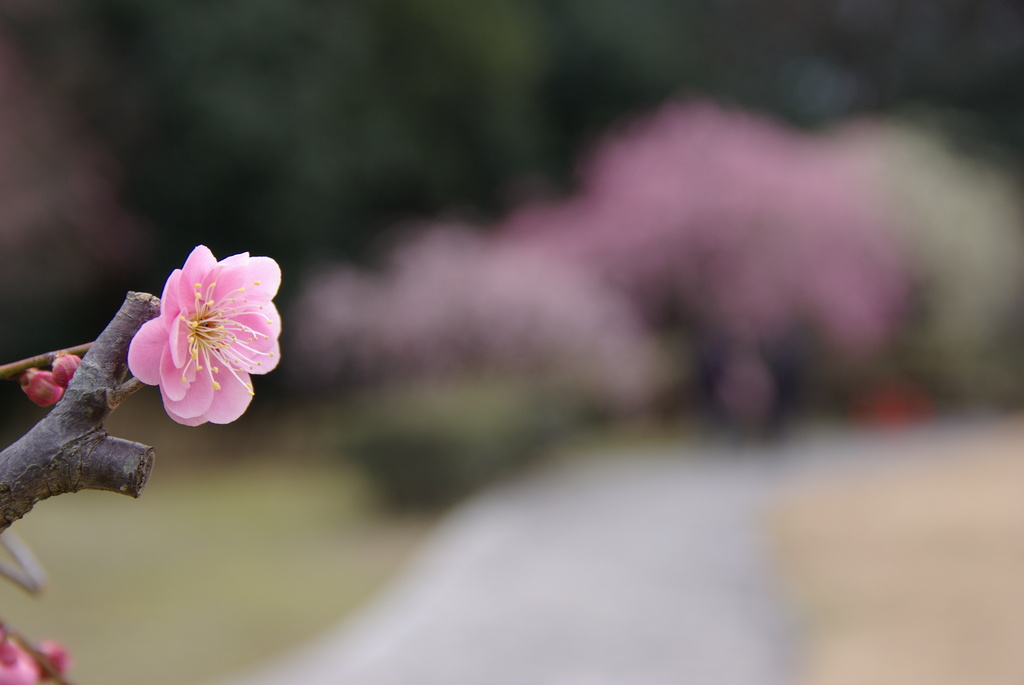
[[510, 231]]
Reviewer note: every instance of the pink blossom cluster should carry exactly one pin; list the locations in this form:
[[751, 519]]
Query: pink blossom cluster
[[732, 219], [451, 302]]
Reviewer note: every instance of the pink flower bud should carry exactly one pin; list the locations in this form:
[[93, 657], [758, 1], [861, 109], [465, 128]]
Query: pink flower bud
[[16, 666], [64, 367], [57, 654], [40, 388]]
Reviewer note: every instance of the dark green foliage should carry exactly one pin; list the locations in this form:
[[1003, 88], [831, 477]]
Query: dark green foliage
[[303, 128]]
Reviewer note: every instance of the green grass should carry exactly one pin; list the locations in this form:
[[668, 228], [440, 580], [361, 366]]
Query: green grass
[[246, 542]]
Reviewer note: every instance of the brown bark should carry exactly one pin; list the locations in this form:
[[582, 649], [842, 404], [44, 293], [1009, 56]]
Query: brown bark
[[69, 450]]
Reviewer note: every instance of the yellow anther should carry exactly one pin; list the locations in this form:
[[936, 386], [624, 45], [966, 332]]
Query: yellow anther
[[255, 282], [216, 385]]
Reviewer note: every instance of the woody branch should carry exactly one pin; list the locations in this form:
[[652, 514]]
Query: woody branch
[[69, 449]]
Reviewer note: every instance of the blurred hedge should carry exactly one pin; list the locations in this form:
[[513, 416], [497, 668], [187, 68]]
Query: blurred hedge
[[427, 445]]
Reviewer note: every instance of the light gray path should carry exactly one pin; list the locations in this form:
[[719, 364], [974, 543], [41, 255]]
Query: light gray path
[[640, 570]]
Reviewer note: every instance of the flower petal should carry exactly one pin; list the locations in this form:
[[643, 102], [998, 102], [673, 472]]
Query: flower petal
[[264, 349], [195, 271], [194, 421], [231, 400], [198, 264], [177, 342], [240, 259], [173, 382], [146, 351], [198, 398], [269, 360], [233, 277], [265, 278], [266, 322], [170, 304]]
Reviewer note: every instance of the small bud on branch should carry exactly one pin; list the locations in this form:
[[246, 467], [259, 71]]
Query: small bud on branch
[[40, 361], [64, 367], [40, 388]]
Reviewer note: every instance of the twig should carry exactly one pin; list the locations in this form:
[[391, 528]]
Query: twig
[[12, 370], [121, 392], [29, 573]]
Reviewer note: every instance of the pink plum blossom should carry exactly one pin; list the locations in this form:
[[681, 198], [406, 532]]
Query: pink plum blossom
[[217, 325]]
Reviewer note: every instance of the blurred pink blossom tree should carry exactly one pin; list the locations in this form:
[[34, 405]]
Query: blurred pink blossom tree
[[741, 230], [453, 304], [730, 221]]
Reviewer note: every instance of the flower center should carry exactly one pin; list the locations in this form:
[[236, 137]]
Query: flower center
[[216, 337], [205, 328]]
